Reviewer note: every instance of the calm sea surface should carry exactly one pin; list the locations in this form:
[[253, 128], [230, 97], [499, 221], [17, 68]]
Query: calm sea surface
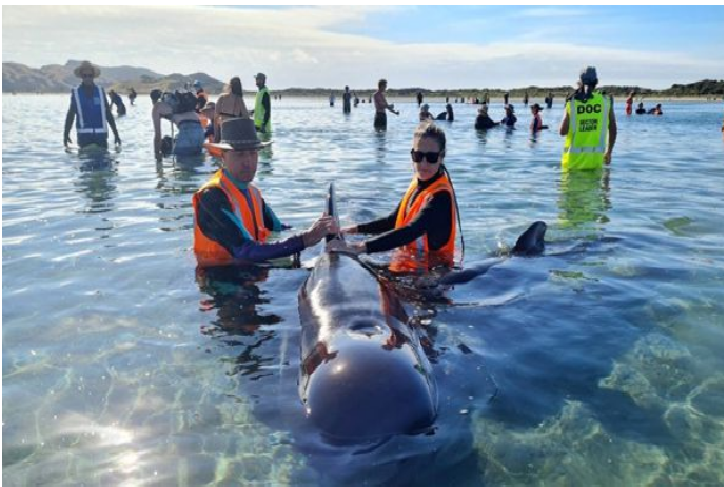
[[122, 366]]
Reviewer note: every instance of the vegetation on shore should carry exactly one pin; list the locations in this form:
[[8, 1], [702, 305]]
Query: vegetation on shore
[[19, 78]]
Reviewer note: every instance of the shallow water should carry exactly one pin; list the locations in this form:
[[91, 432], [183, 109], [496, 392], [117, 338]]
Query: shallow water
[[121, 366]]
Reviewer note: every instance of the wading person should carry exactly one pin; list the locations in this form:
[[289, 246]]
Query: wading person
[[589, 126], [381, 105], [422, 226], [90, 110], [232, 222]]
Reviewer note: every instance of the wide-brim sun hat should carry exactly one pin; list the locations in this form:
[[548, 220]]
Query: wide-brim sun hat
[[239, 134], [86, 66]]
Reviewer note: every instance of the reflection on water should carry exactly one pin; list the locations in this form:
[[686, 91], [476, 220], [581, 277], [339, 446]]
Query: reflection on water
[[607, 350], [584, 200], [97, 181]]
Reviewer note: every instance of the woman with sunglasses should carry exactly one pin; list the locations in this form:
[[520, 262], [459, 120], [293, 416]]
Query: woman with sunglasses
[[422, 226]]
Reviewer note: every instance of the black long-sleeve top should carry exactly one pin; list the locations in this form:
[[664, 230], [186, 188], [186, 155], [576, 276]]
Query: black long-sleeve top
[[434, 219]]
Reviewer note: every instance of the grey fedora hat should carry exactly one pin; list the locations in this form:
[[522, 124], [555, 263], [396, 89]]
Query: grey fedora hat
[[239, 134]]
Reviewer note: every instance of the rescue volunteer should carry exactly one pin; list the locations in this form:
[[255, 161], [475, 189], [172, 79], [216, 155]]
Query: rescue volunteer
[[422, 227], [262, 105], [232, 222], [589, 125], [88, 103]]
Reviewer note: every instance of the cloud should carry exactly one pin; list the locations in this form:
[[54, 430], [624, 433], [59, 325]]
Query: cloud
[[306, 47]]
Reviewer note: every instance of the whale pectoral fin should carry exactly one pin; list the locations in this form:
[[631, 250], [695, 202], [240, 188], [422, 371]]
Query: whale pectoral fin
[[463, 277]]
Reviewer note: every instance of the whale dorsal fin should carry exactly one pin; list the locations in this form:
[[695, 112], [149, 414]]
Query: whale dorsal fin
[[332, 211]]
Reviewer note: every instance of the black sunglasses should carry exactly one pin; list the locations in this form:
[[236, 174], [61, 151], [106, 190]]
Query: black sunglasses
[[430, 157]]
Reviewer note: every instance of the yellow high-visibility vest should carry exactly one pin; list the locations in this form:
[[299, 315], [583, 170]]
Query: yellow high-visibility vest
[[587, 132]]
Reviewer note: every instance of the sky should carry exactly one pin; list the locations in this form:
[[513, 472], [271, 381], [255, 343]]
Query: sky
[[412, 46]]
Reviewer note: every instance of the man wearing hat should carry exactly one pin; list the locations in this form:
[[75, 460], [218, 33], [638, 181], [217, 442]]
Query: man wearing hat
[[536, 124], [589, 126], [231, 219], [510, 118], [88, 103], [262, 105]]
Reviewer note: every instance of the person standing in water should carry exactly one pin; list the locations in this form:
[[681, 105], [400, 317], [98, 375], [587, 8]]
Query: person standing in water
[[589, 126], [419, 99], [381, 105], [422, 227], [118, 102], [629, 102], [90, 110], [229, 105], [331, 99], [506, 97], [346, 100], [232, 221], [262, 105], [536, 124], [132, 96], [525, 98]]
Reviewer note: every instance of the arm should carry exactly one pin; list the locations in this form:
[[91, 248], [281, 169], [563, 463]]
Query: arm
[[216, 220], [267, 111], [376, 227], [433, 220], [156, 118], [69, 118], [612, 132], [271, 221], [111, 121], [563, 130]]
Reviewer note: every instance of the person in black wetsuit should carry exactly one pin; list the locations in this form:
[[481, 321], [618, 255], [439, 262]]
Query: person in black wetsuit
[[426, 212]]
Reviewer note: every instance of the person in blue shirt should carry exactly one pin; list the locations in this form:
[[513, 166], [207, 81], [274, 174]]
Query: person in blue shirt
[[90, 110]]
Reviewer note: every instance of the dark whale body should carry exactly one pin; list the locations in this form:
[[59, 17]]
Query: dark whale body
[[364, 375]]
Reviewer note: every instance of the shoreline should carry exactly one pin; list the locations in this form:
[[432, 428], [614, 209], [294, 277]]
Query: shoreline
[[514, 100]]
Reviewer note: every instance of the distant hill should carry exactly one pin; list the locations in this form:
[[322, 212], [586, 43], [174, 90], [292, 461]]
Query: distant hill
[[59, 78]]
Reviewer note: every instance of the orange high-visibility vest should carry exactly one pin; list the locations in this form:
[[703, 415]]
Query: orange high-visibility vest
[[417, 254], [210, 253]]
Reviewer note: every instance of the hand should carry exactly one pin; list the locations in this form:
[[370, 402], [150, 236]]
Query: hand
[[66, 140], [318, 230], [118, 140], [350, 230]]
